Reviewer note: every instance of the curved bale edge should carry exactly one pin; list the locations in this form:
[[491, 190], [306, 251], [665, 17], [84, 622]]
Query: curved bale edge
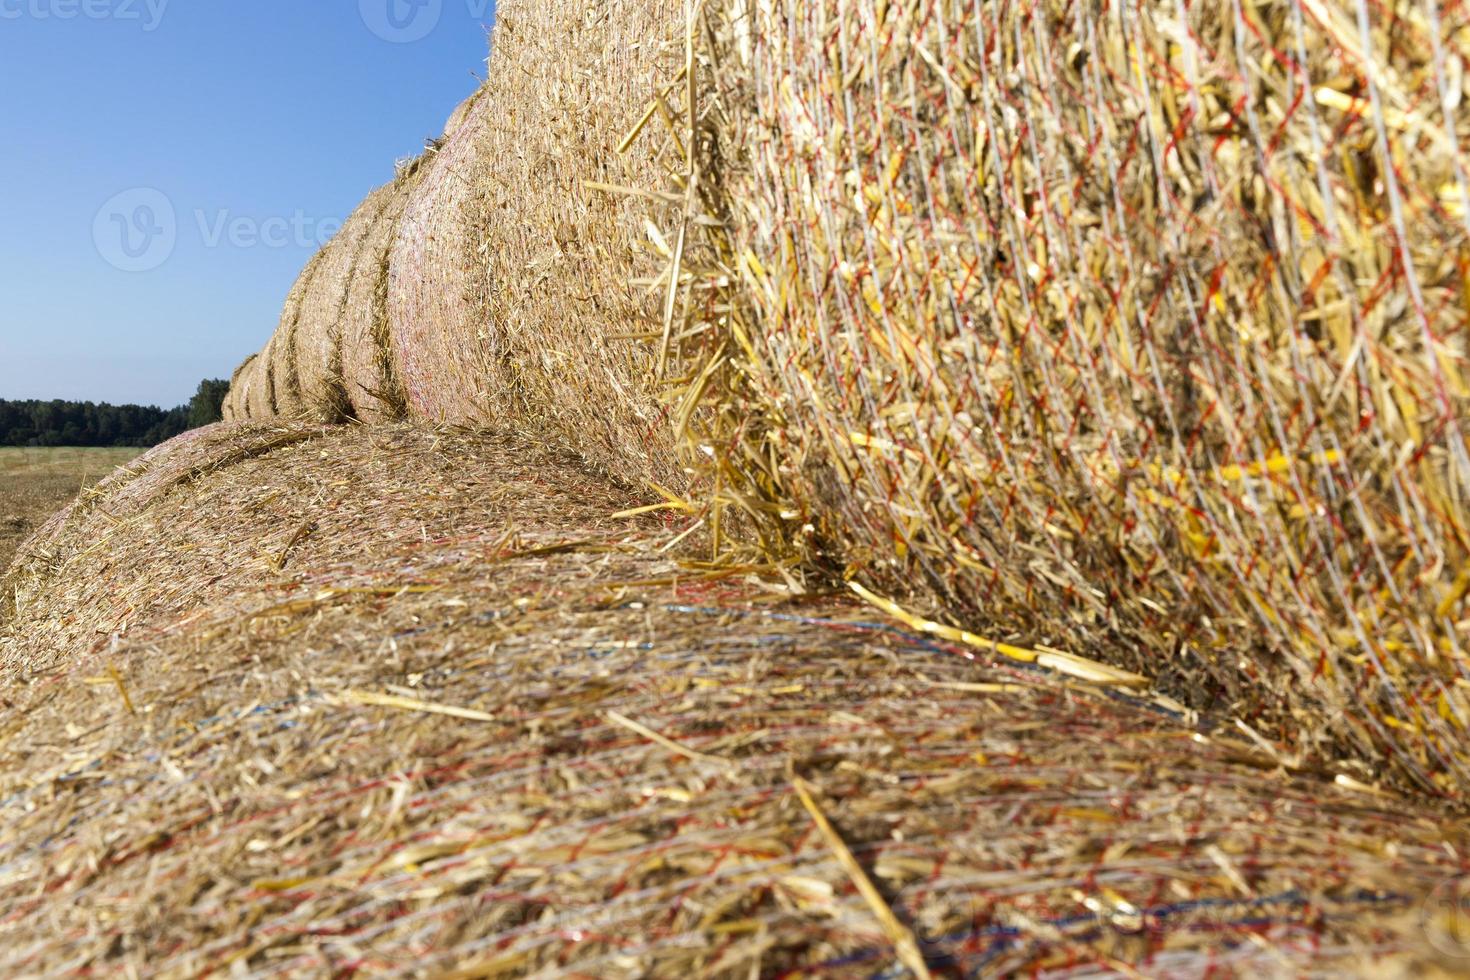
[[318, 334], [369, 366], [125, 493], [462, 111], [568, 255], [439, 352], [257, 385], [287, 396], [236, 403]]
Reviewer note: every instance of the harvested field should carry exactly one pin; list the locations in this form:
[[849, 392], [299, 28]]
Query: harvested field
[[35, 483], [334, 700]]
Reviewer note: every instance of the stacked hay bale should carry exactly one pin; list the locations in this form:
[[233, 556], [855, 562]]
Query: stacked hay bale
[[319, 326], [255, 387], [521, 284], [369, 371], [293, 700], [287, 393], [235, 403], [1139, 330], [523, 272], [330, 357], [440, 351], [434, 344]]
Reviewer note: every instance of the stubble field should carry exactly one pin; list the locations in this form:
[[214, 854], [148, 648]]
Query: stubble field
[[35, 483]]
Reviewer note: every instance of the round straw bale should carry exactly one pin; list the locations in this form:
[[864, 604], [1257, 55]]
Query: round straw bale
[[1095, 331], [285, 386], [369, 370], [227, 405], [462, 112], [285, 374], [256, 386], [501, 772], [318, 333], [235, 401], [439, 351], [127, 493], [571, 326]]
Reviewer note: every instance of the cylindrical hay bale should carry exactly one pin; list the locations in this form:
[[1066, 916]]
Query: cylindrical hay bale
[[280, 371], [285, 374], [1142, 330], [574, 325], [368, 365], [440, 351], [462, 112], [256, 387], [235, 402], [318, 334]]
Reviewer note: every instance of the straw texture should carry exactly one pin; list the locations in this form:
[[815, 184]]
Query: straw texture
[[237, 395], [440, 351], [319, 326], [368, 364], [289, 701], [1137, 331], [285, 376], [256, 386], [461, 112], [570, 286]]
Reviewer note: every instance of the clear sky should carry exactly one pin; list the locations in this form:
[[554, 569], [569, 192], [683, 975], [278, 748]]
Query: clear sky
[[168, 166]]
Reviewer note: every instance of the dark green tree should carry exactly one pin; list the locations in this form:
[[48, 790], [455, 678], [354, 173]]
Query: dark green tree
[[60, 423], [205, 407]]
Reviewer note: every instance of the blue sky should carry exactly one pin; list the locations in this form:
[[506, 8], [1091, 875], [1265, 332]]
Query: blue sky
[[258, 124]]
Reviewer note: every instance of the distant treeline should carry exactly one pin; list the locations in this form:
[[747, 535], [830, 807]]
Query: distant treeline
[[62, 423]]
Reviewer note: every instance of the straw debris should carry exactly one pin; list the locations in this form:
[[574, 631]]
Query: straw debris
[[424, 745], [1136, 335]]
